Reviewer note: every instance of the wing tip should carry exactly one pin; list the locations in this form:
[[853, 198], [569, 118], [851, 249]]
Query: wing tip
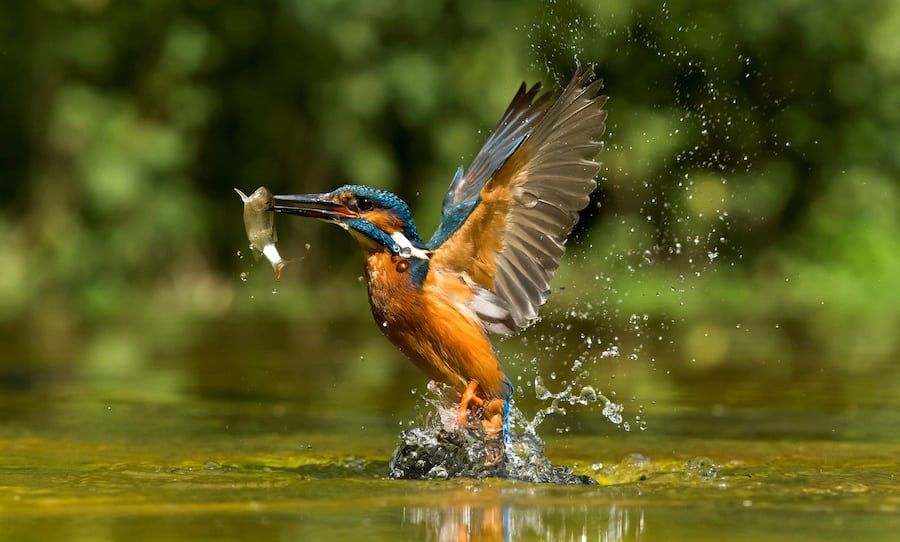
[[585, 83]]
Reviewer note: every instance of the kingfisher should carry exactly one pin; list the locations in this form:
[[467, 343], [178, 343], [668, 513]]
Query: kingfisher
[[487, 268]]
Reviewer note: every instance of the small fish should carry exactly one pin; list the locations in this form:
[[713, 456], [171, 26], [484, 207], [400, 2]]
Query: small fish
[[259, 222]]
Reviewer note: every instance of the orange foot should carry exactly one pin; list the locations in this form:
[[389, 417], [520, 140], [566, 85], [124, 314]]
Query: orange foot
[[493, 432], [468, 396]]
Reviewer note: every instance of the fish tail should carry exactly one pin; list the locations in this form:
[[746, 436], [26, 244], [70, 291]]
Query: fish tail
[[280, 265]]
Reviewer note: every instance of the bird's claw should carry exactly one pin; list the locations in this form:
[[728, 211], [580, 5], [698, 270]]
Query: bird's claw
[[468, 396]]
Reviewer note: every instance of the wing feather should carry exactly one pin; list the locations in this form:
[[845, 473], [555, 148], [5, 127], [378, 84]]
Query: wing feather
[[523, 194], [518, 120]]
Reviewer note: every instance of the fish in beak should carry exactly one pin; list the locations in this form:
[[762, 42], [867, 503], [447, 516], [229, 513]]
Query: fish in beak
[[259, 223]]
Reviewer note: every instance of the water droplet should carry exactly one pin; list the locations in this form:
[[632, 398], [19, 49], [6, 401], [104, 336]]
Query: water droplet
[[529, 201], [611, 352], [540, 390], [588, 395]]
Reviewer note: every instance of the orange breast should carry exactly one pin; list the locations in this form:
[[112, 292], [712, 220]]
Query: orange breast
[[433, 325]]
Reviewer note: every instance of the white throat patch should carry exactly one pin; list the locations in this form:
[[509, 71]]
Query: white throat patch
[[407, 250]]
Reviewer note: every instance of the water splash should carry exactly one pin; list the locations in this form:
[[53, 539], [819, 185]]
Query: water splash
[[586, 396], [441, 448]]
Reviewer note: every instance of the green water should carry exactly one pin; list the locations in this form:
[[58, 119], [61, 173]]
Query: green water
[[150, 454]]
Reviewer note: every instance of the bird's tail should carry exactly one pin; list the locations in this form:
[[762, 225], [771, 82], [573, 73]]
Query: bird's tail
[[507, 404]]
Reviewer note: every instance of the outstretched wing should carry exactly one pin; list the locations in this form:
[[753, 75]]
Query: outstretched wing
[[506, 220]]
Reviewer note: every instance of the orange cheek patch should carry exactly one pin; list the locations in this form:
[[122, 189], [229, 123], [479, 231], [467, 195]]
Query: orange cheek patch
[[384, 220]]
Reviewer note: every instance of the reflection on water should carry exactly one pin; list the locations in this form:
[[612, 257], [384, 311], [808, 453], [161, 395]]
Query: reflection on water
[[502, 520]]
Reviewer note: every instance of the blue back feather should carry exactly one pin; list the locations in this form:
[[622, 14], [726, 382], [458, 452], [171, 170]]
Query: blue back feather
[[453, 218], [418, 270]]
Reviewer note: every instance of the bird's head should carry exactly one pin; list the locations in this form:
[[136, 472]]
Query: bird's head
[[379, 220]]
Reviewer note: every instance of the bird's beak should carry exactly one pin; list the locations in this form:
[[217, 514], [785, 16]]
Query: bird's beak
[[319, 206]]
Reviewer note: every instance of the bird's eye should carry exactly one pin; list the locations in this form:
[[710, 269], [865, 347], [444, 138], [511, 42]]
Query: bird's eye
[[364, 204]]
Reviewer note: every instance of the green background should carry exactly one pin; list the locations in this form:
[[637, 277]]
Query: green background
[[763, 136], [734, 283]]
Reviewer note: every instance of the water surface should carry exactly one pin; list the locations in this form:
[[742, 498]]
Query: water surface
[[148, 455]]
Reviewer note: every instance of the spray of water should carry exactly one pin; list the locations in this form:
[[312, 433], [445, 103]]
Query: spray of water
[[439, 447]]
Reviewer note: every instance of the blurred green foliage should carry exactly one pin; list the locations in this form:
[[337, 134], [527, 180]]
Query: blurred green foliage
[[750, 178]]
